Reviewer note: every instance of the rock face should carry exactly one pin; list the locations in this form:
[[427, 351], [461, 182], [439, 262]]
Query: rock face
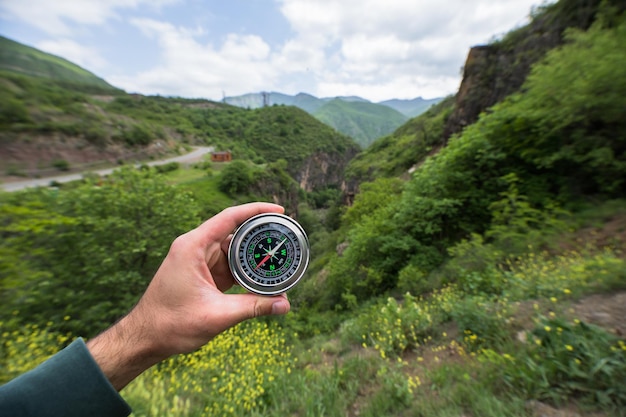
[[318, 171], [494, 71], [323, 169]]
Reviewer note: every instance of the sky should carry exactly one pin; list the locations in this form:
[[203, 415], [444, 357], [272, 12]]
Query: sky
[[375, 49]]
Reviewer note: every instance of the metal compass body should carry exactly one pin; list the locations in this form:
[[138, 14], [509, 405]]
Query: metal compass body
[[268, 254]]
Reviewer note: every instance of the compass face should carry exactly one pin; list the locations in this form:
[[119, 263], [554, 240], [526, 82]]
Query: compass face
[[268, 254]]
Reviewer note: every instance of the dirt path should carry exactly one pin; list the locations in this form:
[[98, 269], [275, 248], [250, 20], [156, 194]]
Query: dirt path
[[194, 156]]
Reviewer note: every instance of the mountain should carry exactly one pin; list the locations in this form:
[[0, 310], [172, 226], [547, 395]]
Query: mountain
[[22, 59], [361, 120], [354, 116], [411, 108]]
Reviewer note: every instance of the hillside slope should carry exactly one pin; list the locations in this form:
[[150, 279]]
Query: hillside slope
[[22, 59], [354, 116], [363, 121], [557, 142]]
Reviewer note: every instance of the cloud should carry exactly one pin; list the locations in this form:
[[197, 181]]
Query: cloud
[[60, 17], [382, 49], [190, 68]]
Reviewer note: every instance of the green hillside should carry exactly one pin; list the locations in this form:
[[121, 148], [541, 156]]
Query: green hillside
[[21, 59], [395, 154], [558, 142], [361, 120], [356, 117], [34, 106]]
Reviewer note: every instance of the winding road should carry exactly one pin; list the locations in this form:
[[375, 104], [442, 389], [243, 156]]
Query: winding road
[[194, 156]]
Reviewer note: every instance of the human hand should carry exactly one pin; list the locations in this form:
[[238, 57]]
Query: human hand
[[184, 306]]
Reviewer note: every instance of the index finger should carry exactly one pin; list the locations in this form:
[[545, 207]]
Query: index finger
[[218, 227]]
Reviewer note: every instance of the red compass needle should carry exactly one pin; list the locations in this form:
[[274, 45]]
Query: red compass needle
[[270, 254]]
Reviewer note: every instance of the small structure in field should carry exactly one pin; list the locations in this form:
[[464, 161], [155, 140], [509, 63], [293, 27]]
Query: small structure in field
[[223, 156]]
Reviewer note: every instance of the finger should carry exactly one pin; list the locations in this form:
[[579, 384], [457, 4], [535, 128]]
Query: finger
[[218, 227], [226, 244], [222, 275], [246, 306]]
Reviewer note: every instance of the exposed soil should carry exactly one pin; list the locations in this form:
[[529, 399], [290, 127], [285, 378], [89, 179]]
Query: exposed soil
[[604, 310], [36, 157], [612, 233]]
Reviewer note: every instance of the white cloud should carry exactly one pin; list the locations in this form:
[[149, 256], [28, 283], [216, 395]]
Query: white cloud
[[238, 65], [59, 17], [397, 47]]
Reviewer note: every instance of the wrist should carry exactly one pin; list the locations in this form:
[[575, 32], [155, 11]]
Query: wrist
[[123, 352]]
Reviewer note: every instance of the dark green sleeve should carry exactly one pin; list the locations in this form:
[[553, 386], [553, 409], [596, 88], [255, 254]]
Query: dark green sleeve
[[68, 384]]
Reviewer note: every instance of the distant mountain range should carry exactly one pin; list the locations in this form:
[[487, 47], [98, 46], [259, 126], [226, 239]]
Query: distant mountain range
[[356, 117]]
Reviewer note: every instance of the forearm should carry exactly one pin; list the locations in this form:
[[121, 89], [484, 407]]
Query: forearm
[[69, 383], [124, 351]]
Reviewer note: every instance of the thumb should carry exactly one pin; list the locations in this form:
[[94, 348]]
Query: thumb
[[246, 306]]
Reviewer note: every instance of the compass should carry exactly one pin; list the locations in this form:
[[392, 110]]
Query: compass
[[268, 254]]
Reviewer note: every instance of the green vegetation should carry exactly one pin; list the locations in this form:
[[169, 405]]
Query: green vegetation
[[22, 59], [360, 120], [395, 154], [548, 145], [63, 242], [469, 287]]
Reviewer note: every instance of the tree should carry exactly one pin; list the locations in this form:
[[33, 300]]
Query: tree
[[87, 253]]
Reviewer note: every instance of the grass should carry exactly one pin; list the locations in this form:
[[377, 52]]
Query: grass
[[203, 184]]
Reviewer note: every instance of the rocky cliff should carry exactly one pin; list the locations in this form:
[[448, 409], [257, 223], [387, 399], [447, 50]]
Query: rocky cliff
[[494, 71], [324, 169]]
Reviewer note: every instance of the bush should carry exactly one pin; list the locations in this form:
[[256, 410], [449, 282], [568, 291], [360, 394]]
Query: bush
[[87, 252], [61, 165], [138, 135], [484, 323], [391, 327], [169, 167], [235, 178]]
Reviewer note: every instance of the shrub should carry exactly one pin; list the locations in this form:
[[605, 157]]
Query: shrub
[[169, 167], [61, 165], [391, 327], [483, 322], [236, 178]]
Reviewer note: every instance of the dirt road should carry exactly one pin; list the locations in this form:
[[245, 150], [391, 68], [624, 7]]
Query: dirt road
[[194, 156]]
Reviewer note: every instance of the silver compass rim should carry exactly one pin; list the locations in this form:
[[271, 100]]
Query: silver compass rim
[[233, 253]]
